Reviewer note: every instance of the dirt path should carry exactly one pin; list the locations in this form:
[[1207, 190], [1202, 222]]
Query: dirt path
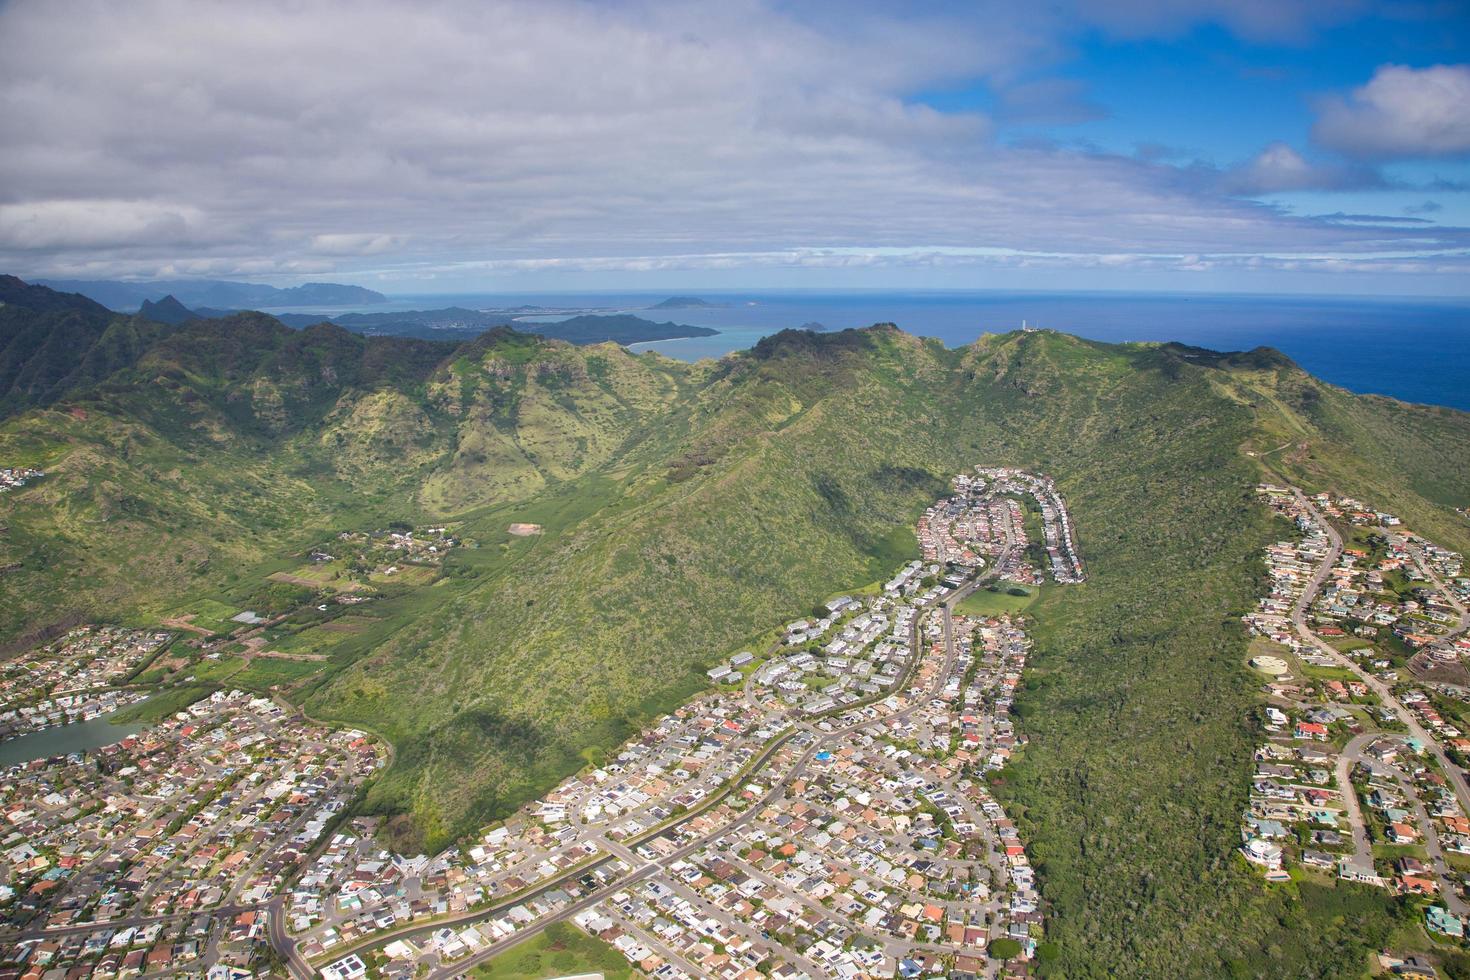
[[186, 623]]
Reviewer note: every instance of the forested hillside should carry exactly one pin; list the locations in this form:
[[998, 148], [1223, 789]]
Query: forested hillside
[[685, 510]]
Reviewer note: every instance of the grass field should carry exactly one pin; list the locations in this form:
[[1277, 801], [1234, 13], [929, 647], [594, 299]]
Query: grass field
[[161, 705], [209, 614], [405, 575], [984, 602], [561, 950], [333, 576], [268, 672], [216, 671]]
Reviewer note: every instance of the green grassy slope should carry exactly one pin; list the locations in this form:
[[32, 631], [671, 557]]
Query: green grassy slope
[[1138, 708], [229, 443]]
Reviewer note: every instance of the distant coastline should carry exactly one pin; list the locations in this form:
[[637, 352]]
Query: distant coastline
[[1417, 350]]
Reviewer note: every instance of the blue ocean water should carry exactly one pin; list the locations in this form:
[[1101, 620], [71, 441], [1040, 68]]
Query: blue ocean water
[[1414, 349]]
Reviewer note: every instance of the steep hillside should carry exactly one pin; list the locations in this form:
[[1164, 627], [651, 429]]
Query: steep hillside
[[793, 471], [226, 443], [529, 413], [52, 344], [802, 468]]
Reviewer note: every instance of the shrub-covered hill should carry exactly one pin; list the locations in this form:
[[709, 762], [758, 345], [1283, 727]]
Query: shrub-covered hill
[[53, 343], [224, 443], [687, 509]]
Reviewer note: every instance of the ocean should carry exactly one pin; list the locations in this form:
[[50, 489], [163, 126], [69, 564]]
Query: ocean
[[1414, 349]]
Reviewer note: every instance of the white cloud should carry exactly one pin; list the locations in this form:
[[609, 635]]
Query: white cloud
[[1401, 113], [1279, 168], [276, 136], [359, 243], [96, 223]]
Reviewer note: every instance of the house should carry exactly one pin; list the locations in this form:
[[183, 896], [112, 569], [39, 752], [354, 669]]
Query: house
[[1401, 833], [1318, 859], [1438, 919], [1311, 730], [1414, 885], [1268, 828], [1350, 869], [1383, 750], [1263, 853], [1411, 866], [348, 968]]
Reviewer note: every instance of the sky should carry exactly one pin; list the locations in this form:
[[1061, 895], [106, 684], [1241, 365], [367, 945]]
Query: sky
[[467, 145]]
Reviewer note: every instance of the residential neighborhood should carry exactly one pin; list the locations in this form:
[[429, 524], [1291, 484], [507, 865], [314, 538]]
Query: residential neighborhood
[[167, 851], [75, 678], [824, 812], [1360, 776], [825, 809], [15, 477]]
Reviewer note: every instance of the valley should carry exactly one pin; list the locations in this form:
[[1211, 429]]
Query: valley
[[708, 817], [683, 514], [589, 490]]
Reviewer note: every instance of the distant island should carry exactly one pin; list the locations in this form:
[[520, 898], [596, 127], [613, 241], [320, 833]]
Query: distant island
[[813, 326], [686, 303], [622, 328], [174, 302], [128, 297], [441, 323], [455, 323]]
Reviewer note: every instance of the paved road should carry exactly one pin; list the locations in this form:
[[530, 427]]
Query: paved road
[[281, 942], [1352, 754], [1432, 846]]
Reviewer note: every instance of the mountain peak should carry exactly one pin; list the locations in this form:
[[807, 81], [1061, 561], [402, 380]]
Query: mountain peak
[[167, 310], [18, 292]]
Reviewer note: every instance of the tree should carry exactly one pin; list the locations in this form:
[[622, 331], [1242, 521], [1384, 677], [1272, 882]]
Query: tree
[[1005, 948]]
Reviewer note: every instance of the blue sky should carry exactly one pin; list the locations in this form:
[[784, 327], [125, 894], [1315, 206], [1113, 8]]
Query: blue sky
[[1191, 145], [1211, 96]]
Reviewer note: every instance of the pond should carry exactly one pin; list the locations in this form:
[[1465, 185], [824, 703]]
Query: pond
[[63, 739]]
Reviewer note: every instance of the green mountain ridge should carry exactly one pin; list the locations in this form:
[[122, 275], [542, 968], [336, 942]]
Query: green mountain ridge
[[688, 509]]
